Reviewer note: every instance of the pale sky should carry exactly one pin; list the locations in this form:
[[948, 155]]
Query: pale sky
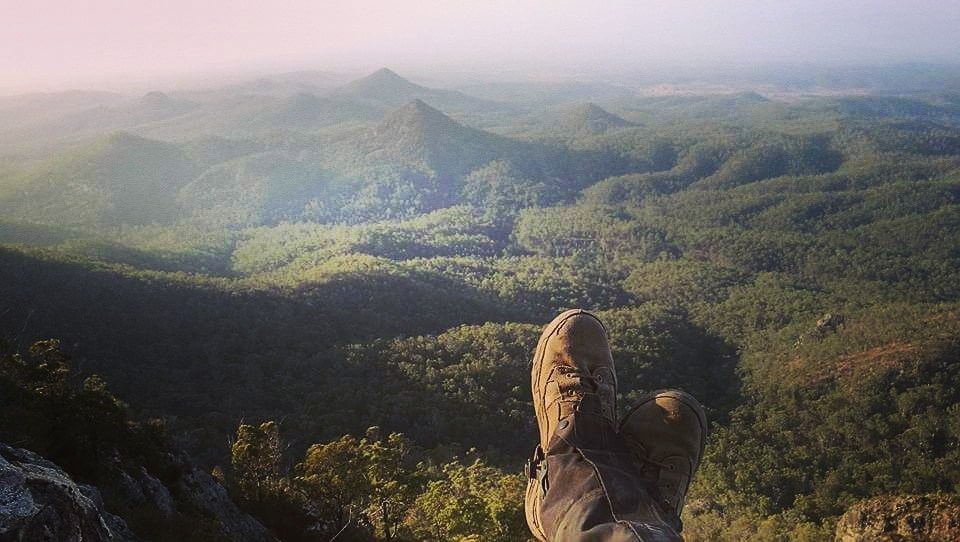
[[70, 42]]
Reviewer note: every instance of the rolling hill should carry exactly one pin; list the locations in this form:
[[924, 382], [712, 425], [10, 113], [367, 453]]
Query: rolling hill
[[587, 118], [115, 180], [387, 89], [392, 269]]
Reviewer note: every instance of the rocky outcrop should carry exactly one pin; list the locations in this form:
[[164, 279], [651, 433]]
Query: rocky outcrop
[[40, 502], [915, 518], [200, 491], [179, 493]]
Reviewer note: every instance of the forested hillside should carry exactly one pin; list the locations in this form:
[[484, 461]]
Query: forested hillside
[[331, 295]]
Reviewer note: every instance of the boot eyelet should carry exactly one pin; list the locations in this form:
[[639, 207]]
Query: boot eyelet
[[599, 378], [672, 467]]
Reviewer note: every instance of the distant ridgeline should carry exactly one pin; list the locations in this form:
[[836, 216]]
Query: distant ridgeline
[[276, 267]]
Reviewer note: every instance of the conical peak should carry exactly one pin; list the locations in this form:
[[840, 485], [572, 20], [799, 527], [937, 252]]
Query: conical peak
[[592, 111], [590, 117], [384, 76], [419, 119], [384, 73], [384, 85], [418, 110]]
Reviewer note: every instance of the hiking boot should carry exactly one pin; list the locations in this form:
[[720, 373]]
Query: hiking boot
[[667, 433], [584, 483], [572, 361], [588, 487]]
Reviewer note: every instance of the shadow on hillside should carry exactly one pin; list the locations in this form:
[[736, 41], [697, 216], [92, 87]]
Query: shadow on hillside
[[194, 349], [679, 354], [209, 356]]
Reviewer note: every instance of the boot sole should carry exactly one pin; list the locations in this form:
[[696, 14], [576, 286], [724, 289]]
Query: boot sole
[[683, 397]]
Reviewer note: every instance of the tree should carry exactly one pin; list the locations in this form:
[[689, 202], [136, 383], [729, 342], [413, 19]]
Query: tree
[[470, 502], [332, 478], [256, 459], [392, 486]]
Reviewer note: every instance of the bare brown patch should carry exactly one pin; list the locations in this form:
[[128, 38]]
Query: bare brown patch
[[853, 366]]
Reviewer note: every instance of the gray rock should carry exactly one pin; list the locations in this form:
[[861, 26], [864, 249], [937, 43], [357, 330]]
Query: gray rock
[[201, 490], [897, 518], [157, 493], [130, 489], [39, 502], [115, 523]]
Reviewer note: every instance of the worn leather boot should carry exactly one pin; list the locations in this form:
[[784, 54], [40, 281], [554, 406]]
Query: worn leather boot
[[584, 483], [572, 361], [666, 431]]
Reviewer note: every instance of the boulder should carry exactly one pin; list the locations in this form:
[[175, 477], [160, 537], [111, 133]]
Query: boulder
[[40, 502], [901, 518]]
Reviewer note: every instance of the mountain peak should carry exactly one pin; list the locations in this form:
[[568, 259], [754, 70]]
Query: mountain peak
[[384, 86], [420, 108], [592, 118], [418, 112], [419, 136], [156, 99], [385, 74], [387, 89], [593, 109], [384, 79]]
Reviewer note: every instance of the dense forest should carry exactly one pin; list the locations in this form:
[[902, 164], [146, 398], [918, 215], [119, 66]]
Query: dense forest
[[328, 295]]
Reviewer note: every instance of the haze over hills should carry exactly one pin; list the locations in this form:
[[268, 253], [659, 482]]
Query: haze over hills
[[588, 117], [118, 179], [285, 84], [231, 111], [420, 135], [385, 88], [547, 93], [292, 261], [16, 111], [311, 101], [413, 148]]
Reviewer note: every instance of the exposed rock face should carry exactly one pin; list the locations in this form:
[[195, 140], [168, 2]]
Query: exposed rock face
[[199, 490], [39, 502], [925, 517], [191, 495]]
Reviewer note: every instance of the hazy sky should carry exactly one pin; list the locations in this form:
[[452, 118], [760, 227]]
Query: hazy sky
[[69, 41]]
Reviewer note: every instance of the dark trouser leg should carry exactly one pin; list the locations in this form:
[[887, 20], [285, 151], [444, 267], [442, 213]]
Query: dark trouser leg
[[588, 488]]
